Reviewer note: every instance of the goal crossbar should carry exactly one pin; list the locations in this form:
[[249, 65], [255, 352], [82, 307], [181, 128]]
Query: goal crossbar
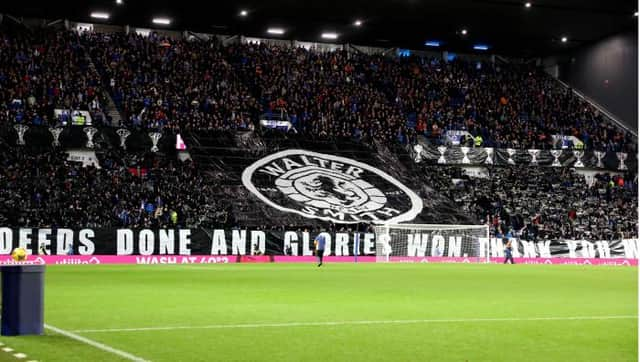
[[431, 226]]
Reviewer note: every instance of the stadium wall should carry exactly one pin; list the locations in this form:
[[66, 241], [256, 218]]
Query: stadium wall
[[606, 72]]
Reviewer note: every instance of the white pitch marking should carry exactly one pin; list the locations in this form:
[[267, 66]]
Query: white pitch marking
[[361, 322], [20, 355], [7, 349], [95, 344]]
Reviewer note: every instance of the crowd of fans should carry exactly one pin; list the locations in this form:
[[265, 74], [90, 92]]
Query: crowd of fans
[[41, 71], [180, 84], [537, 203], [197, 85], [137, 191], [171, 84], [161, 82]]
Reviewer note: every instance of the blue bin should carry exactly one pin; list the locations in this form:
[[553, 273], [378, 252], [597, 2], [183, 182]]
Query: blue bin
[[22, 300]]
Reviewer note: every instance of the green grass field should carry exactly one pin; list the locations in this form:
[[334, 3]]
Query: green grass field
[[346, 312]]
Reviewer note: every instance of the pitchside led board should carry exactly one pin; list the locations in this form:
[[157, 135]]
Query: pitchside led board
[[320, 187]]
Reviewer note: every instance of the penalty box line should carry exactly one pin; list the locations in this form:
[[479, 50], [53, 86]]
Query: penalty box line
[[98, 345], [361, 322]]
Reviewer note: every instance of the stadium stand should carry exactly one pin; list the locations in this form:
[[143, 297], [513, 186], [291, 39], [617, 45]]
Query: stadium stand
[[204, 85], [543, 203], [42, 70], [365, 107]]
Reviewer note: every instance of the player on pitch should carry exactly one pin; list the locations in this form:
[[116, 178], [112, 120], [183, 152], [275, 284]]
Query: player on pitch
[[319, 244]]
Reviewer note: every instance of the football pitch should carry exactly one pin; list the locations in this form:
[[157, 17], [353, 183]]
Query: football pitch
[[339, 312]]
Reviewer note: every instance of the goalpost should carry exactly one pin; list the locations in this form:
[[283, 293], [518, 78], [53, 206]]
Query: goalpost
[[401, 242]]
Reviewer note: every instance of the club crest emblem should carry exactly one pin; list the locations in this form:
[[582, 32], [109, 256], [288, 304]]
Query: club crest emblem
[[330, 188]]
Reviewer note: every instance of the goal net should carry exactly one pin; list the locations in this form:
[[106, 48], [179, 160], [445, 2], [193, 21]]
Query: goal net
[[411, 242]]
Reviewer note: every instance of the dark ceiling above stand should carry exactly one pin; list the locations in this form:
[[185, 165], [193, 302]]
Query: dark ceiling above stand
[[506, 26]]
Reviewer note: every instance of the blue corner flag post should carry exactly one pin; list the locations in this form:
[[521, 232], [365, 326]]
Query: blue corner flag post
[[22, 300], [356, 246]]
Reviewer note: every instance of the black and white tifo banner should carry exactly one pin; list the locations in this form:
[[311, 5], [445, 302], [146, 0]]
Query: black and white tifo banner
[[250, 242], [618, 161], [330, 188]]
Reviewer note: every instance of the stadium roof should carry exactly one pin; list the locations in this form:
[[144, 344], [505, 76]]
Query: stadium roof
[[506, 26]]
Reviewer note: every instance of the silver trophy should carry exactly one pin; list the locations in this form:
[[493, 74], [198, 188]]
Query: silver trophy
[[123, 133], [489, 159], [90, 132], [511, 152], [621, 157], [578, 155], [599, 155], [417, 153], [534, 156], [21, 129], [155, 137], [465, 157], [55, 132], [442, 150], [556, 158]]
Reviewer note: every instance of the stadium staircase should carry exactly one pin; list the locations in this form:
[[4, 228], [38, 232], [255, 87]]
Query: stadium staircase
[[109, 108]]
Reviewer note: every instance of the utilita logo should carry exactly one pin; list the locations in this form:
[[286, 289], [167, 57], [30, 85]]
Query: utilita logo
[[70, 260], [330, 188]]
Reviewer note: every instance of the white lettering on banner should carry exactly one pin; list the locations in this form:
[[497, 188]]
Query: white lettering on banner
[[244, 242], [65, 240], [87, 246], [368, 248], [437, 244], [544, 248], [417, 244], [6, 240], [218, 243], [342, 244], [484, 246], [306, 247], [384, 243], [184, 237], [124, 242], [334, 214], [259, 239], [387, 211], [572, 245], [588, 251], [272, 169], [24, 240], [145, 242], [631, 248], [321, 161], [514, 247], [290, 238], [166, 243], [603, 249], [528, 249], [44, 241], [455, 246], [239, 242], [289, 164]]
